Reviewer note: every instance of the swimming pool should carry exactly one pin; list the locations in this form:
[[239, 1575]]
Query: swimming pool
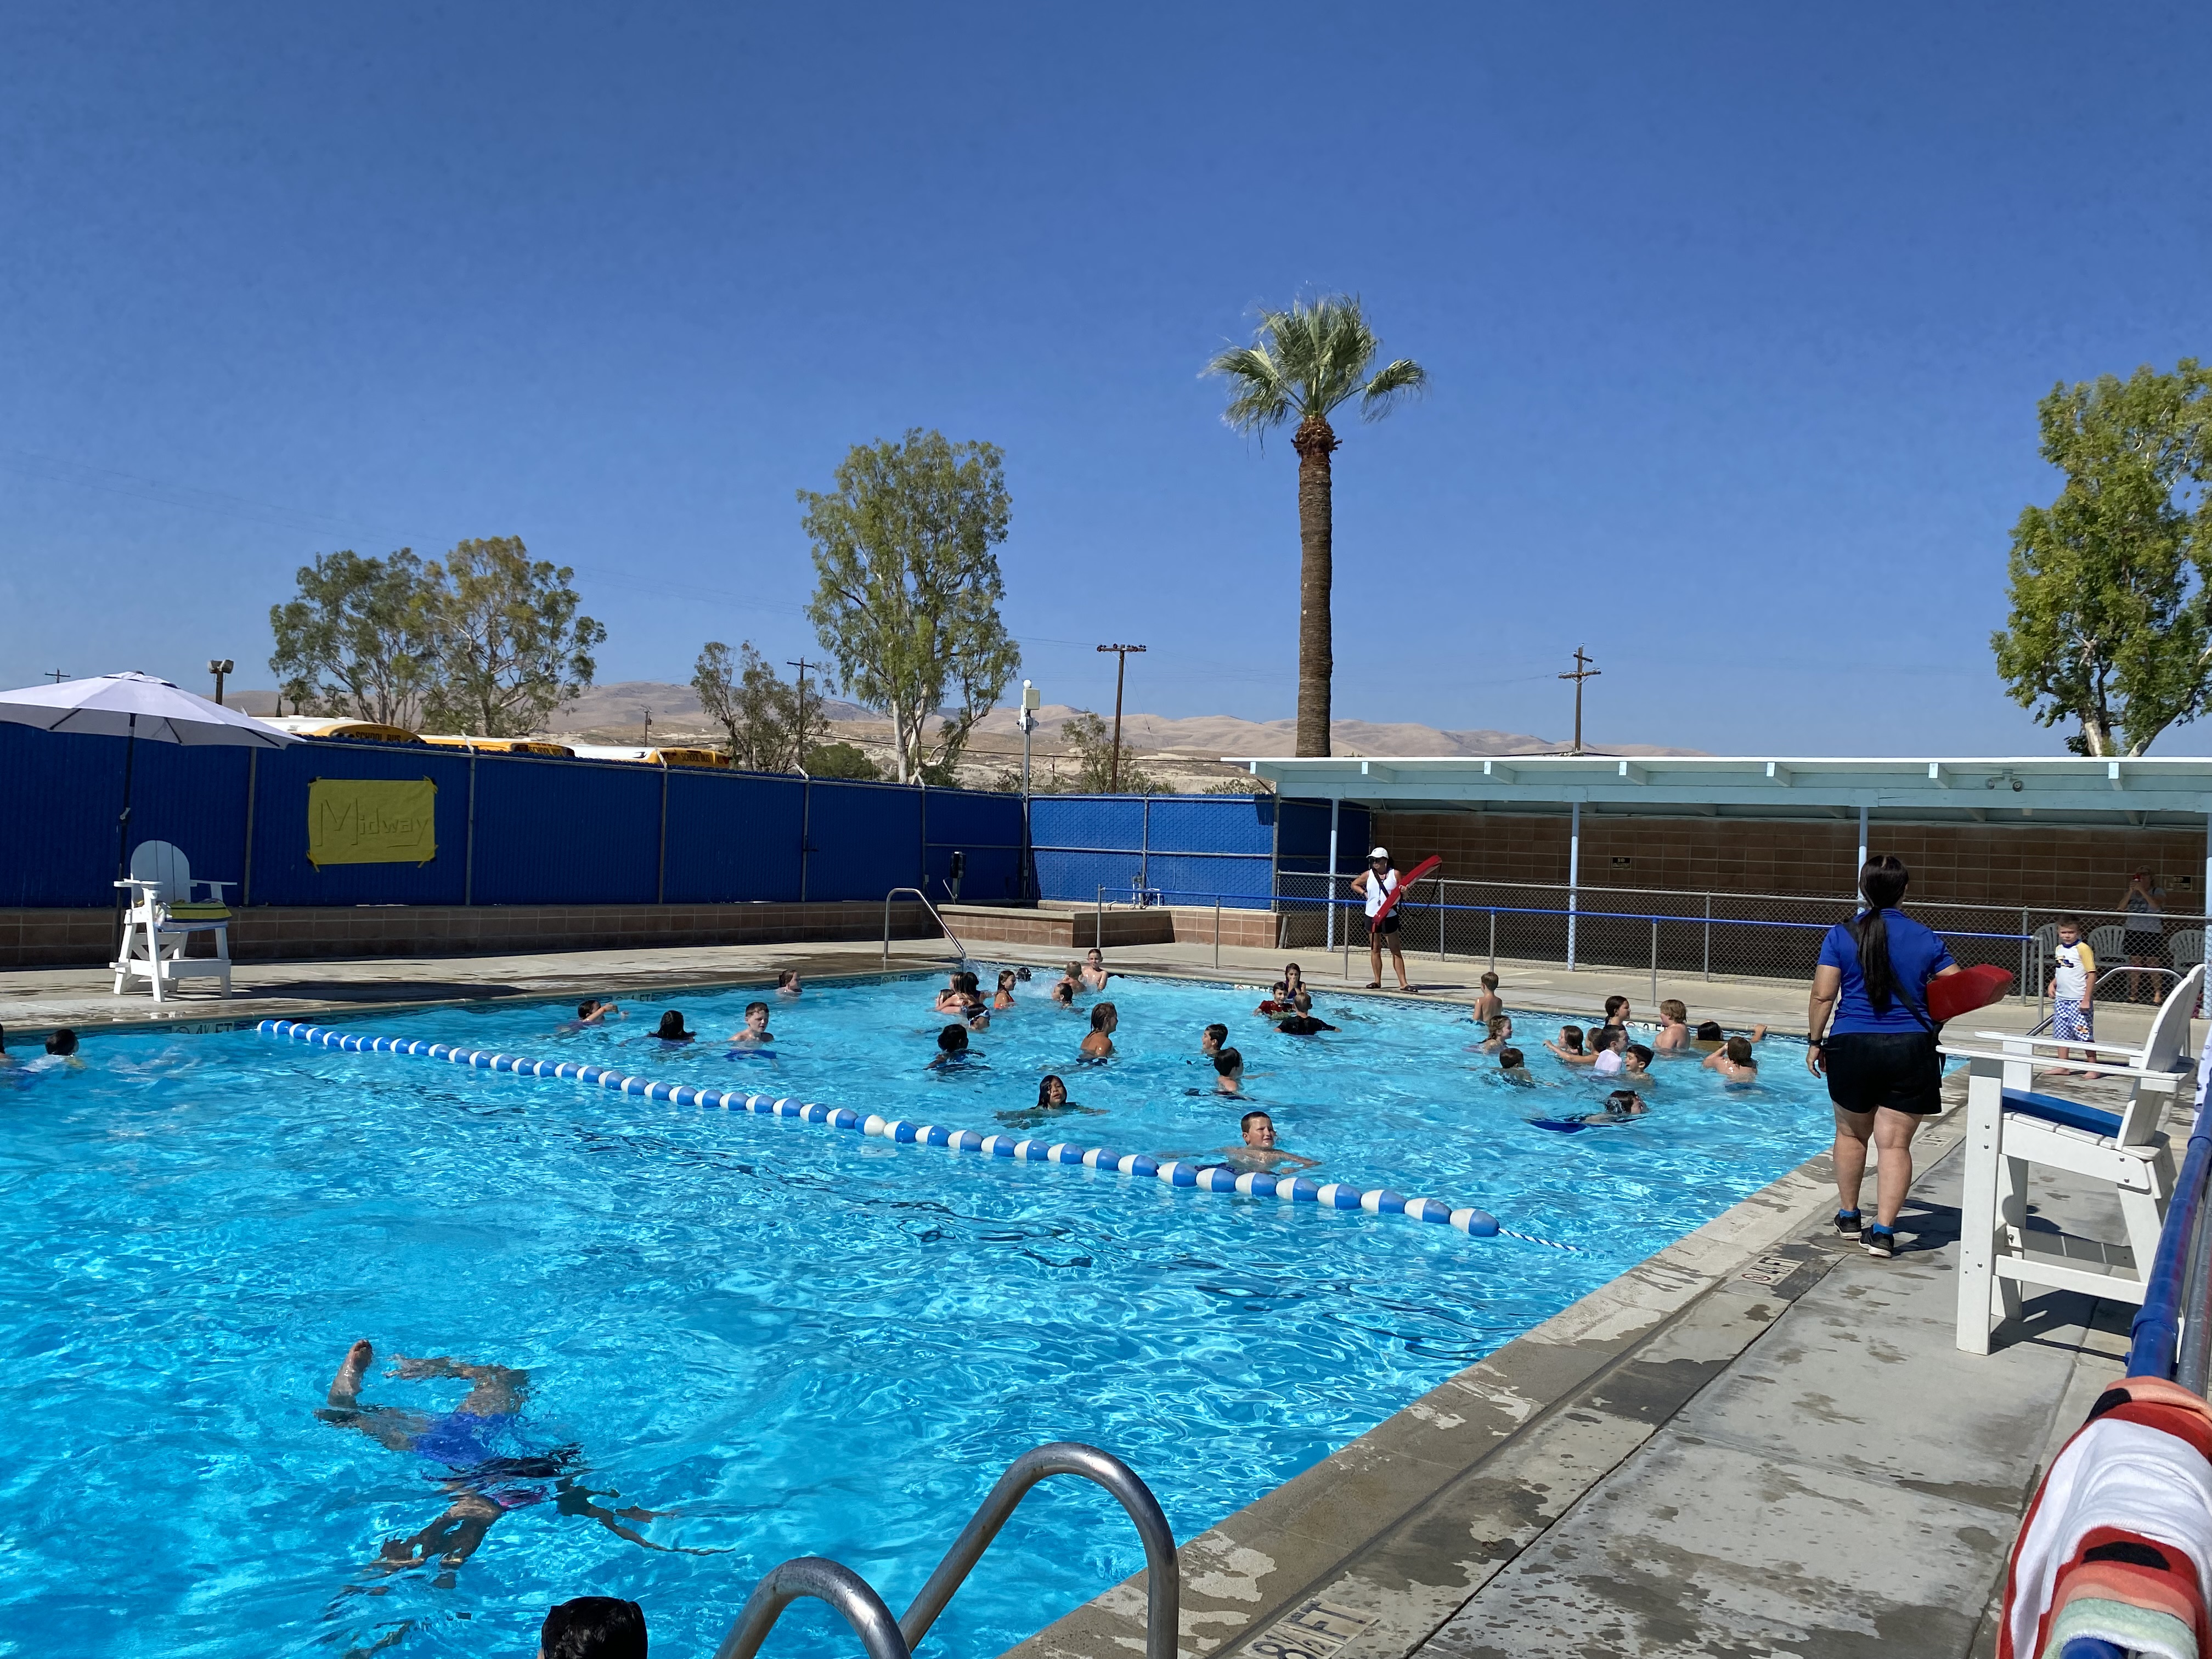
[[781, 1339]]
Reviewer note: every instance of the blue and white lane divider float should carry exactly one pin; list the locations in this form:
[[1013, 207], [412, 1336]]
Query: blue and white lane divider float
[[1205, 1177]]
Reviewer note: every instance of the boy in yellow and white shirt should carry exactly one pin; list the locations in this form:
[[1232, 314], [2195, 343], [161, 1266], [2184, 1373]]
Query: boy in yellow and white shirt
[[2073, 984]]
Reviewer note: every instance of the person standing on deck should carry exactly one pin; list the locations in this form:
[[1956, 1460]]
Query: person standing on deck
[[1884, 1075], [2144, 935], [1375, 884]]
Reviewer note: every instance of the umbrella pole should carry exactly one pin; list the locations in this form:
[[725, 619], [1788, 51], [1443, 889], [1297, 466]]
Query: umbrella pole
[[123, 832]]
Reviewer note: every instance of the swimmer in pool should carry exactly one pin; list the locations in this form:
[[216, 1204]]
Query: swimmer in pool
[[1094, 972], [1501, 1034], [1098, 1043], [979, 1019], [1673, 1027], [1734, 1060], [1052, 1102], [1003, 998], [1063, 994], [1568, 1048], [61, 1054], [671, 1028], [1609, 1053], [1229, 1072], [1636, 1065], [1488, 1006], [786, 983], [1294, 983], [1303, 1025], [952, 1051], [481, 1455], [593, 1010], [1513, 1066], [1259, 1151], [755, 1033], [1617, 1011], [1213, 1040]]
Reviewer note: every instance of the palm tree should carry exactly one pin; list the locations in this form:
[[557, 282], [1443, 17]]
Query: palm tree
[[1305, 361]]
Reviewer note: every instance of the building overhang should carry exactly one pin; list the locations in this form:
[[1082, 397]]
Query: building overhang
[[2150, 793]]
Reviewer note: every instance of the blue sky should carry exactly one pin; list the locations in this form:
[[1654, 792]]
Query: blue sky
[[1736, 318]]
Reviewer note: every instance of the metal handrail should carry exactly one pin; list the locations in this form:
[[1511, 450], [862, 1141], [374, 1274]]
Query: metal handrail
[[1162, 1575], [826, 1581], [885, 1638], [926, 905]]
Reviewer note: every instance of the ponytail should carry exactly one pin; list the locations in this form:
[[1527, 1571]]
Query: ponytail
[[1882, 881]]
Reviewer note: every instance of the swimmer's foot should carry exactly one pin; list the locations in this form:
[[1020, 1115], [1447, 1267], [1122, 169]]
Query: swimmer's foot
[[345, 1387]]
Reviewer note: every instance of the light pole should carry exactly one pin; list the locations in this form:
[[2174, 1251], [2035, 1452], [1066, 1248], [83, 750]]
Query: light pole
[[1027, 720], [1120, 670], [220, 667], [1583, 671]]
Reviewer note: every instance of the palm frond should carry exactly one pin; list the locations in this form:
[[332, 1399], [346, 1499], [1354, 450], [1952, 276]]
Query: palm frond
[[1261, 397], [1389, 383], [1306, 362]]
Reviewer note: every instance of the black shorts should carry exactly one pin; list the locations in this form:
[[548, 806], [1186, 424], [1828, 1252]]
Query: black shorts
[[1900, 1070], [1387, 925]]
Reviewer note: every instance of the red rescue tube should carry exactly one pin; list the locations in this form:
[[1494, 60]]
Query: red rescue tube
[[1425, 868], [1964, 991]]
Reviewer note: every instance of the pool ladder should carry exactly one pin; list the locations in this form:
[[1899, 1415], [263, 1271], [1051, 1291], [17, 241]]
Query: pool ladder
[[885, 1638], [933, 910]]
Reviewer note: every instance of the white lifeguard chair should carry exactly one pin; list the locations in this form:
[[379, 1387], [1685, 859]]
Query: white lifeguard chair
[[2010, 1126], [162, 918]]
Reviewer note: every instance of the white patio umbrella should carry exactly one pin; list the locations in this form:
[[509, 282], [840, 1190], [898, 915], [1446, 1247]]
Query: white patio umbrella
[[131, 707]]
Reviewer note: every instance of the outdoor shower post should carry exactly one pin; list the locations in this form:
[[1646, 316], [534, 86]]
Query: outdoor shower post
[[1574, 874], [1329, 890]]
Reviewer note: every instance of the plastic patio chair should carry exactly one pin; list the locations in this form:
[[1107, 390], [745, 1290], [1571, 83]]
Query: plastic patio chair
[[162, 918], [2010, 1128]]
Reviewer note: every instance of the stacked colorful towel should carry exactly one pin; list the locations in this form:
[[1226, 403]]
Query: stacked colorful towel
[[2116, 1552]]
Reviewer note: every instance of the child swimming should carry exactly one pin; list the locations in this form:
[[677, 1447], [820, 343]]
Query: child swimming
[[1211, 1039], [1734, 1060], [1063, 994], [1501, 1033], [1673, 1027], [1607, 1058], [1513, 1066], [590, 1013], [1488, 1005], [1004, 998], [671, 1028], [1052, 1102], [1229, 1072], [786, 983], [1099, 1043], [953, 1051], [755, 1031], [1568, 1048]]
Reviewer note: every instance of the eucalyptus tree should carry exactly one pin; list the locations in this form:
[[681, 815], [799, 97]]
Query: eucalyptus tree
[[1305, 363], [357, 638], [907, 602]]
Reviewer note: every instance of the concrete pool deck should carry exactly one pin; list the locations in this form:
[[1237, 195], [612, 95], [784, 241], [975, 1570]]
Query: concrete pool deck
[[1757, 1441]]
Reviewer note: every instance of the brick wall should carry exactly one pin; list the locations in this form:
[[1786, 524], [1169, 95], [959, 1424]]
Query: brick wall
[[276, 933], [1967, 863]]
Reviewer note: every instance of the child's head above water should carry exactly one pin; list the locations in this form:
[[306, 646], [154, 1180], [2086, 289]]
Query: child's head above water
[[1229, 1063], [1709, 1031], [1216, 1037], [1051, 1091], [1511, 1060], [1616, 1009], [1612, 1037], [1501, 1025], [953, 1040], [1738, 1049], [1570, 1038], [1103, 1017], [1064, 994], [1490, 981], [1642, 1055], [1674, 1011], [671, 1028]]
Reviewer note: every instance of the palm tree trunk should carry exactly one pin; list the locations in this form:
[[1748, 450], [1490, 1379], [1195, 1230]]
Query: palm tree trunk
[[1313, 440]]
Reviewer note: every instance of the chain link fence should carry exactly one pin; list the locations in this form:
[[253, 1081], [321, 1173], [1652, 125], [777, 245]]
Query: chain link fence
[[1768, 936]]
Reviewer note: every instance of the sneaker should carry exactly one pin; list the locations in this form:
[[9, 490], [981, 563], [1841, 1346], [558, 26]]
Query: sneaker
[[1847, 1223], [1880, 1241]]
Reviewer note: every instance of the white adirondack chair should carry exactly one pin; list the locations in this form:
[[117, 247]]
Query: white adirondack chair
[[2010, 1128], [162, 918]]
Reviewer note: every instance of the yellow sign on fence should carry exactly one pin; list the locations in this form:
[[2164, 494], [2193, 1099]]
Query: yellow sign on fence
[[372, 821]]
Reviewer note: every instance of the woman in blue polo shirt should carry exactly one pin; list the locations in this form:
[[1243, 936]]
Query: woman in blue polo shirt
[[1878, 1057]]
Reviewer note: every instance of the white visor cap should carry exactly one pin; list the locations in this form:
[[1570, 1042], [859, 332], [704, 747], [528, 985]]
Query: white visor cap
[[1379, 852]]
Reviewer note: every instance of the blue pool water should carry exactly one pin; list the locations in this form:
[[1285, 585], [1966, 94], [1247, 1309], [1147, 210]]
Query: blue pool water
[[778, 1338]]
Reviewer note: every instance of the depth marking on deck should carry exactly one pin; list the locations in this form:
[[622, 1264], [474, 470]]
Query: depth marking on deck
[[1317, 1629]]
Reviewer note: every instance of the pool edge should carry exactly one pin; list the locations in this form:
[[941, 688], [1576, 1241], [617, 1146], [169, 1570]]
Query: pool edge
[[1374, 1548]]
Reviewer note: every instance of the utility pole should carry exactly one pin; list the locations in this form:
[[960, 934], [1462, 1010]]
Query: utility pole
[[802, 666], [218, 667], [647, 714], [1583, 671], [56, 675], [1120, 670]]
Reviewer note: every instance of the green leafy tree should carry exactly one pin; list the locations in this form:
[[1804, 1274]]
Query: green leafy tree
[[511, 645], [908, 601], [841, 760], [760, 710], [357, 641], [2111, 617], [1089, 745], [1304, 363]]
